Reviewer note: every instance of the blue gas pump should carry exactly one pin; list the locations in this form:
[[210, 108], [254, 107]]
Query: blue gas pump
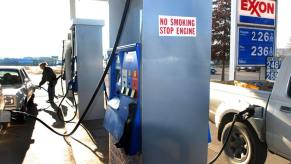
[[123, 115]]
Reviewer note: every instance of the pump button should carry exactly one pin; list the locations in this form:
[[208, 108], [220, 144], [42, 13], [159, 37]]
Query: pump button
[[122, 90], [132, 95], [127, 91]]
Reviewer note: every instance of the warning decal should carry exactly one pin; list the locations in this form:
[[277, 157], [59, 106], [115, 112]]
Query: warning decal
[[177, 26]]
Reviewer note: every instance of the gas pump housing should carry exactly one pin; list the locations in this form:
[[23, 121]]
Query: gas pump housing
[[173, 79]]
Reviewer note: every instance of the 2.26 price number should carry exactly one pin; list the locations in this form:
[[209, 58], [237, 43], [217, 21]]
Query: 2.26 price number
[[262, 36], [261, 51]]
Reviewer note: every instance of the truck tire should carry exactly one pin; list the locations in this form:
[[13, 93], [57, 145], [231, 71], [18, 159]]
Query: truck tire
[[243, 147]]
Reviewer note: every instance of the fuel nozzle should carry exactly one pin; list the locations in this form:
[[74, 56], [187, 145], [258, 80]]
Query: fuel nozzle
[[247, 113]]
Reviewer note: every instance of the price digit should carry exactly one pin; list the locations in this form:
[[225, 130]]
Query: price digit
[[266, 36], [266, 51], [260, 49], [261, 35], [254, 49]]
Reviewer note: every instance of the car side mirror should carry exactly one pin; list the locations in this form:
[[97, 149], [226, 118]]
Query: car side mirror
[[26, 80]]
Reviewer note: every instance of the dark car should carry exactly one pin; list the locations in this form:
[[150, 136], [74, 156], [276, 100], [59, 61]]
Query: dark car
[[248, 68], [212, 69]]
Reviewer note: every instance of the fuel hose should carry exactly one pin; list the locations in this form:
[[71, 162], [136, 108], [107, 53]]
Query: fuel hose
[[243, 115]]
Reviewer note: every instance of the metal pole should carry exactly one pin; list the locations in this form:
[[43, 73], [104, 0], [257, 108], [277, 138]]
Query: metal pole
[[233, 40], [73, 9]]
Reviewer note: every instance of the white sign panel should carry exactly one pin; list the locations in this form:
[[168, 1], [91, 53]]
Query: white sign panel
[[260, 12], [177, 26]]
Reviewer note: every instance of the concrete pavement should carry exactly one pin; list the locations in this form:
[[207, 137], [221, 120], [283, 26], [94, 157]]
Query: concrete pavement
[[33, 143]]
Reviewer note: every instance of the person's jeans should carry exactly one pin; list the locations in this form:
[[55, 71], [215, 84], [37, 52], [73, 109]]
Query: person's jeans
[[51, 90]]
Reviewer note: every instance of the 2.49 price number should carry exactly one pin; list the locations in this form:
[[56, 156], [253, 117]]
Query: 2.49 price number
[[261, 51]]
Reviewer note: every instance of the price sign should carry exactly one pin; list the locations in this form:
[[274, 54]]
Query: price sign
[[273, 65], [255, 45]]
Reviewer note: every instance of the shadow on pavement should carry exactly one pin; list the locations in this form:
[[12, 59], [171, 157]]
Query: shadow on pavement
[[99, 137], [58, 123], [16, 140]]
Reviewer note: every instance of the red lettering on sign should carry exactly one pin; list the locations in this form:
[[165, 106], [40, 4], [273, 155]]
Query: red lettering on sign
[[163, 21], [253, 7], [244, 4], [185, 31], [257, 7], [182, 22], [271, 8], [166, 30], [263, 7]]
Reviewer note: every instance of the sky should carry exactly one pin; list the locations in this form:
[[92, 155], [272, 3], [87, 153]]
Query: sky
[[34, 28], [283, 24]]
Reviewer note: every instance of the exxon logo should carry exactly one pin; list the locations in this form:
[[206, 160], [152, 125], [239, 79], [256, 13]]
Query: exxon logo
[[258, 7]]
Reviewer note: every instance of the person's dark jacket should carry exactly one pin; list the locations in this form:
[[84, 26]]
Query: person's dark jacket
[[48, 75]]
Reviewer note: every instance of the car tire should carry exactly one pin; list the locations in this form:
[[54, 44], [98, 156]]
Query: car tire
[[243, 147]]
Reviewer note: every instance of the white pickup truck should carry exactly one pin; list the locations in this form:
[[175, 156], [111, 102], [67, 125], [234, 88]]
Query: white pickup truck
[[269, 129]]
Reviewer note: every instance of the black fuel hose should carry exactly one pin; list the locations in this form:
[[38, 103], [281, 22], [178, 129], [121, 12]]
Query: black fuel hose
[[243, 115], [100, 83], [60, 111], [226, 141], [47, 91]]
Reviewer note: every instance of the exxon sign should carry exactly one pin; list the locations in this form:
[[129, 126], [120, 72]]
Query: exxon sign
[[257, 12]]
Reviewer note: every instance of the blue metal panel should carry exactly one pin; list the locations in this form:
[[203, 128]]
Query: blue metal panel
[[175, 85], [255, 45], [174, 79], [257, 20], [131, 32]]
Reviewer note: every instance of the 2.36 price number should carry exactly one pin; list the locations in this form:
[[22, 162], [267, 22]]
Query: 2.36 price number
[[261, 51]]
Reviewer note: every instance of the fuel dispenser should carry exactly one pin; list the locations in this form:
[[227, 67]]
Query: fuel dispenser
[[84, 64], [159, 87], [122, 118]]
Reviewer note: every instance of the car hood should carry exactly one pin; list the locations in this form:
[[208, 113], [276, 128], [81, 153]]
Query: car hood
[[11, 90]]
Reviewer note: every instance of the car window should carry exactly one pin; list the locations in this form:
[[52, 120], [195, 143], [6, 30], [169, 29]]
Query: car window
[[25, 74], [9, 77], [22, 75]]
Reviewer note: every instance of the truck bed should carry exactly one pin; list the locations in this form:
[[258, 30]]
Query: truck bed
[[251, 84], [235, 93]]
